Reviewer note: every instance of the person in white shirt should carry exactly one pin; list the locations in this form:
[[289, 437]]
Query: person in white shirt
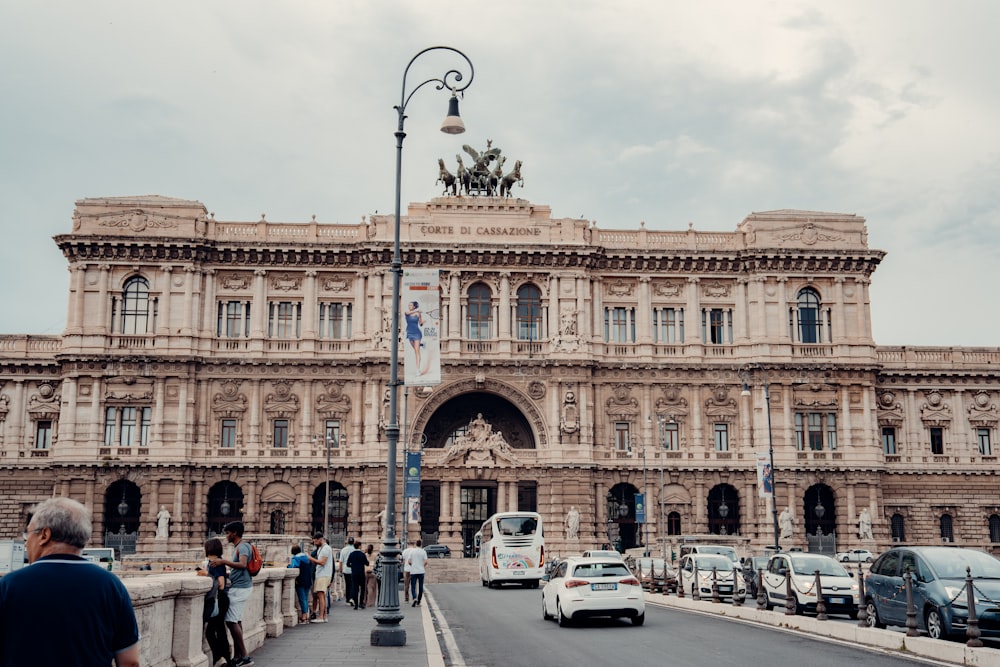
[[406, 572], [350, 595], [418, 567], [324, 573]]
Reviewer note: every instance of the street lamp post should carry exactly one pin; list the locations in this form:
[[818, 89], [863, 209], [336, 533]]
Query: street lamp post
[[747, 373], [663, 449], [389, 632], [645, 500]]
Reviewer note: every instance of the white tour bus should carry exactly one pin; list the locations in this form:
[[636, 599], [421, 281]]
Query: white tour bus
[[511, 548]]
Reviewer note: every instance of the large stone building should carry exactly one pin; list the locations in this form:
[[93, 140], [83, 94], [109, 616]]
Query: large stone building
[[226, 369]]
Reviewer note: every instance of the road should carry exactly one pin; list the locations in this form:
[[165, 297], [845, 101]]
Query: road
[[505, 627]]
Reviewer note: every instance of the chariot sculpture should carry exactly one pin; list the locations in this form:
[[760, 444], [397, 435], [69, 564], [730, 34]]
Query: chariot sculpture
[[483, 177]]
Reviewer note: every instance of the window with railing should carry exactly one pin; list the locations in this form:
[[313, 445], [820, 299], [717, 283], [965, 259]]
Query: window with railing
[[937, 440], [808, 321], [671, 436], [668, 325], [621, 436], [897, 526], [721, 433], [331, 429], [946, 524], [529, 313], [127, 426], [228, 434], [134, 312], [279, 433], [619, 325], [479, 312], [284, 319], [983, 440], [335, 321], [233, 320], [43, 434], [815, 431]]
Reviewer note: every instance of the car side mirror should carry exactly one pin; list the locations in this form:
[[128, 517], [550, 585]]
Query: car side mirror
[[545, 577], [782, 570]]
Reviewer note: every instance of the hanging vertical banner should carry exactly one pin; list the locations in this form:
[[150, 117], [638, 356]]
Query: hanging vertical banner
[[412, 475], [421, 328], [640, 508], [413, 510], [765, 476]]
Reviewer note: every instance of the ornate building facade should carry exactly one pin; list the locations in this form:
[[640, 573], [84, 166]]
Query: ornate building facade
[[238, 369]]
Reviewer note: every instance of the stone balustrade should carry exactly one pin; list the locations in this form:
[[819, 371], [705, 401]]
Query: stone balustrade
[[169, 606]]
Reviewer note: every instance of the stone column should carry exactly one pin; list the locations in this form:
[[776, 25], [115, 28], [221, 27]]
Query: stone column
[[96, 418], [962, 441], [845, 419], [258, 318], [454, 307], [863, 325], [693, 318], [163, 316], [913, 424], [838, 333], [375, 316], [309, 307], [741, 313], [210, 311], [553, 307], [782, 333], [182, 415], [103, 324], [67, 421], [255, 439], [597, 315], [359, 326], [643, 324], [156, 433], [75, 303], [582, 323]]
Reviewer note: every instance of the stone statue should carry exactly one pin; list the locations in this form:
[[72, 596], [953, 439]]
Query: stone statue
[[786, 521], [573, 524], [865, 525], [163, 523], [382, 523]]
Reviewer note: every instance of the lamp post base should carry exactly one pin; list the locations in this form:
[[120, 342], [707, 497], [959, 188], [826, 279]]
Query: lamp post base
[[388, 635]]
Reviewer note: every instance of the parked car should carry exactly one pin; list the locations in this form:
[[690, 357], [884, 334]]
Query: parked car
[[603, 553], [656, 575], [855, 556], [751, 565], [438, 551], [939, 593], [840, 589], [706, 564], [720, 549], [590, 587]]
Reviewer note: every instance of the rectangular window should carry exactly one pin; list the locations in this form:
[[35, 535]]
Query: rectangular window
[[335, 321], [280, 433], [622, 443], [619, 325], [721, 437], [146, 418], [937, 440], [43, 434], [888, 440], [228, 434], [815, 430], [110, 422], [717, 326], [284, 319], [983, 438], [127, 431], [671, 441], [831, 431], [668, 325], [333, 432], [233, 319]]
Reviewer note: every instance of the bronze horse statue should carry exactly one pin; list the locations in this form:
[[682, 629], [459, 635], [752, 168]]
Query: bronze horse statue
[[446, 177], [495, 177], [510, 179], [463, 176]]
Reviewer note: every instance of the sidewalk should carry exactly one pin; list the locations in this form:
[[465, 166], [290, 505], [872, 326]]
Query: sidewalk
[[346, 640]]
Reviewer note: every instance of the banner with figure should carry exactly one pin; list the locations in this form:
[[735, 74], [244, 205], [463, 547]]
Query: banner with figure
[[413, 510], [765, 476], [421, 322]]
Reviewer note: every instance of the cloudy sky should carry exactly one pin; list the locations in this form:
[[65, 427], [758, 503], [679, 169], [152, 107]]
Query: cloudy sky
[[661, 111]]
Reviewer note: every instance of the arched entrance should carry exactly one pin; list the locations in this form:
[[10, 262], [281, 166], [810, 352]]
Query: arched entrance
[[336, 531], [622, 529], [122, 509], [225, 504], [819, 511], [452, 418], [723, 510]]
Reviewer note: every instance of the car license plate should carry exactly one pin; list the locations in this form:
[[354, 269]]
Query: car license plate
[[604, 587], [518, 573], [837, 600]]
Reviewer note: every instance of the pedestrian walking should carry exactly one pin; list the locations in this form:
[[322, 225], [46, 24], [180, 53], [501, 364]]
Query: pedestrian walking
[[349, 595], [406, 571], [418, 567], [240, 589]]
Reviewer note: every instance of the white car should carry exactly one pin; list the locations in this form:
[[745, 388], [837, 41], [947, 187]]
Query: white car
[[855, 556], [588, 587], [707, 564], [599, 553], [840, 588]]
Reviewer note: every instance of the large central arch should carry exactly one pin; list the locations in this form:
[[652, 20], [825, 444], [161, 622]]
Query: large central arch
[[502, 405]]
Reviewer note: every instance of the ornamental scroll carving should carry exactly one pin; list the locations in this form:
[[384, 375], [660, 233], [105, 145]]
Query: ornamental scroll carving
[[935, 412], [138, 220], [621, 404], [282, 403], [720, 406], [983, 412], [889, 410], [332, 403], [229, 402]]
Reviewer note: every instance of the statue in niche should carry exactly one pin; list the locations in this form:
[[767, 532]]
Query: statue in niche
[[787, 523], [865, 525], [163, 523], [573, 523]]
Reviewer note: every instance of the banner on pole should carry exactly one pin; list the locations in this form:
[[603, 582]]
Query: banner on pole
[[413, 510], [412, 475], [421, 309], [640, 508], [765, 476]]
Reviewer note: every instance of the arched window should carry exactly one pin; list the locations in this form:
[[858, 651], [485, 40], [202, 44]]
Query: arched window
[[898, 528], [529, 313], [479, 313], [674, 523], [810, 315], [946, 528], [138, 311], [994, 529]]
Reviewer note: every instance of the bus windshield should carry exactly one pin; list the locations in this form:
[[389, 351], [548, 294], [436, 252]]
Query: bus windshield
[[517, 525]]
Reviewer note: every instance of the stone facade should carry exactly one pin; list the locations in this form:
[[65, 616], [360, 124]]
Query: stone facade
[[226, 369]]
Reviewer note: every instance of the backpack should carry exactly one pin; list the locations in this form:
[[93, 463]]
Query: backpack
[[255, 562], [305, 576]]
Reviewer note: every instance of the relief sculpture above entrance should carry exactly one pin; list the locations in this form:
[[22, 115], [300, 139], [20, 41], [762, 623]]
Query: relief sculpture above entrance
[[480, 445]]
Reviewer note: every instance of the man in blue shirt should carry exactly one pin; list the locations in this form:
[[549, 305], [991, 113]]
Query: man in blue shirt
[[62, 609]]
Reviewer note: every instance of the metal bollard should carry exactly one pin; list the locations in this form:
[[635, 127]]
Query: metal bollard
[[862, 605], [790, 602], [972, 632], [737, 596], [761, 595], [696, 586], [911, 612], [820, 602], [715, 586]]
